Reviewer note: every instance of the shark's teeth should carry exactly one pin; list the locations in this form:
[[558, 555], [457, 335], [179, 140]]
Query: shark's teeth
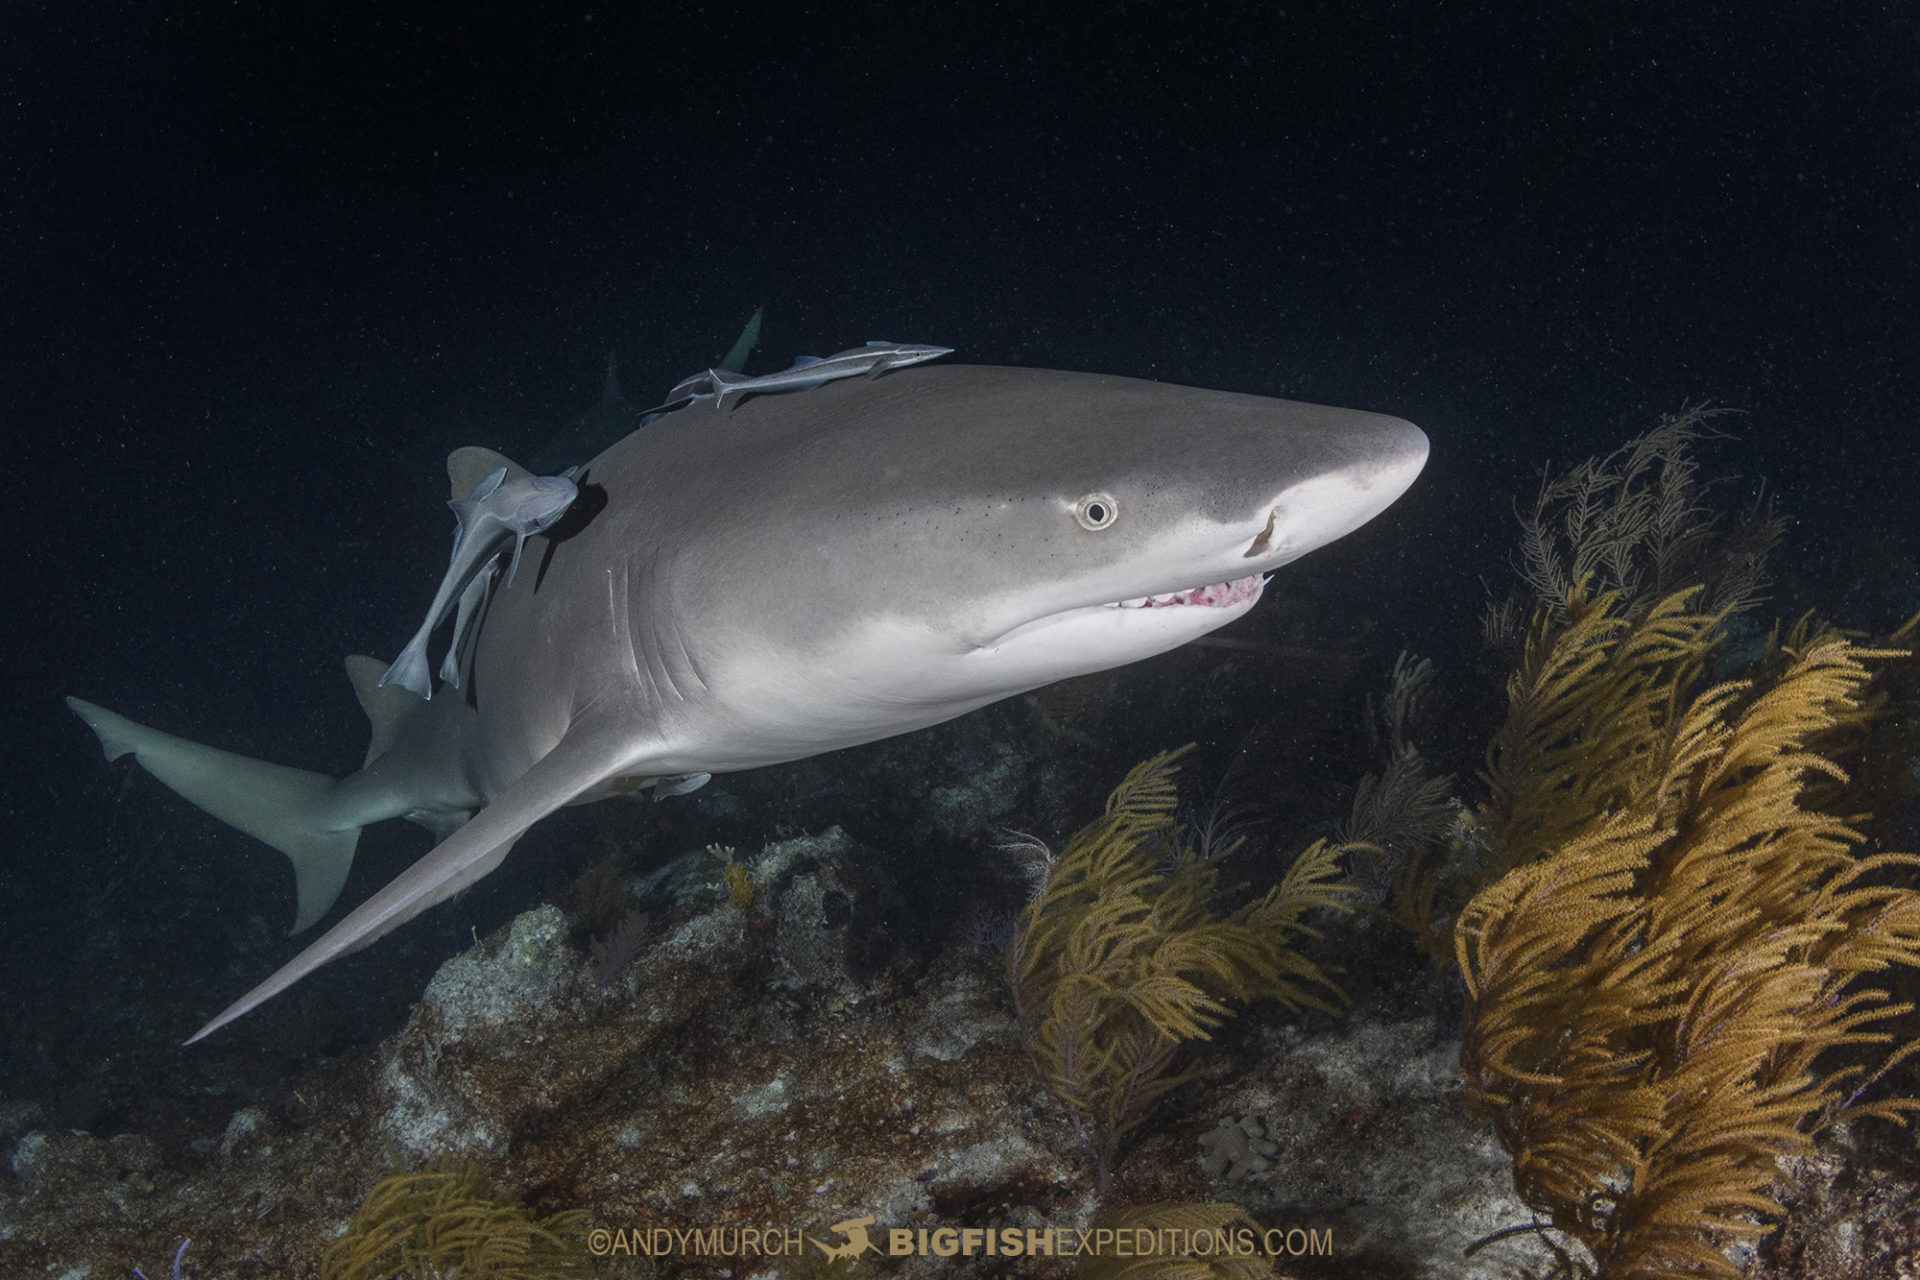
[[1217, 596]]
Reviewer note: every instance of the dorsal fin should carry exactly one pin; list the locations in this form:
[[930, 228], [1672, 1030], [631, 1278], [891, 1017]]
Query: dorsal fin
[[385, 705], [735, 361], [467, 467]]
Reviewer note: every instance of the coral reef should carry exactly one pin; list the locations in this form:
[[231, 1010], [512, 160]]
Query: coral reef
[[1236, 1148], [1636, 524], [784, 1067], [1119, 960], [600, 900], [1402, 812], [1400, 820], [1590, 700], [1677, 977], [792, 1038], [441, 1221], [613, 954], [1371, 1144], [739, 884]]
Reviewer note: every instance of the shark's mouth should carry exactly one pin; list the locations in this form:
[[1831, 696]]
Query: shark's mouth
[[1218, 596], [1236, 595]]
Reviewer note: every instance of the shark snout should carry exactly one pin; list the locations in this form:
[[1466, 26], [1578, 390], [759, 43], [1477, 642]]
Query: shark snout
[[1405, 454], [1392, 454], [1387, 457]]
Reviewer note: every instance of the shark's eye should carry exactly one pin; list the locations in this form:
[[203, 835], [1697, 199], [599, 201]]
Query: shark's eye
[[1096, 511]]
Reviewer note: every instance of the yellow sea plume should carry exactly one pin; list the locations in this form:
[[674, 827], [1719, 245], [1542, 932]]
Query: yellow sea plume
[[1674, 981], [441, 1221], [1119, 958]]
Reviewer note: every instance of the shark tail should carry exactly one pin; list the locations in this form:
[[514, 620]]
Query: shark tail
[[284, 807]]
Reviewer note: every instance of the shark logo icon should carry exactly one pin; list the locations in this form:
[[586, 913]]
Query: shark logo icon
[[857, 1243]]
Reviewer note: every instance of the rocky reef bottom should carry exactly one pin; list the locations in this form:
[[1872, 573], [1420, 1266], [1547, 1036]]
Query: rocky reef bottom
[[751, 1089]]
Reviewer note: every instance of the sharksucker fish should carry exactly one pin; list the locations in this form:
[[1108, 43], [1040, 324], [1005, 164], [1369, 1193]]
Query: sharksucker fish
[[613, 417], [719, 383], [501, 505], [867, 559]]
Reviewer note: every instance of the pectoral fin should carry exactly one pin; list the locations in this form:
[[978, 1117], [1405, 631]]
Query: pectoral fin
[[588, 755]]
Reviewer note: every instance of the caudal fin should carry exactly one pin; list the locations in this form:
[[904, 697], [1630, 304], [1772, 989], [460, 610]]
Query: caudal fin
[[270, 802], [592, 752]]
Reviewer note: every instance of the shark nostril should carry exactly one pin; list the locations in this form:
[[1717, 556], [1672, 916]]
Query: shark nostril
[[1263, 543]]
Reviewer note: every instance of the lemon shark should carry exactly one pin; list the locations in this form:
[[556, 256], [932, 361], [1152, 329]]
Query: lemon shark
[[818, 570]]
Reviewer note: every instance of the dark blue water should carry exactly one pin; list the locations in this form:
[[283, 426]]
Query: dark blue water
[[264, 266]]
